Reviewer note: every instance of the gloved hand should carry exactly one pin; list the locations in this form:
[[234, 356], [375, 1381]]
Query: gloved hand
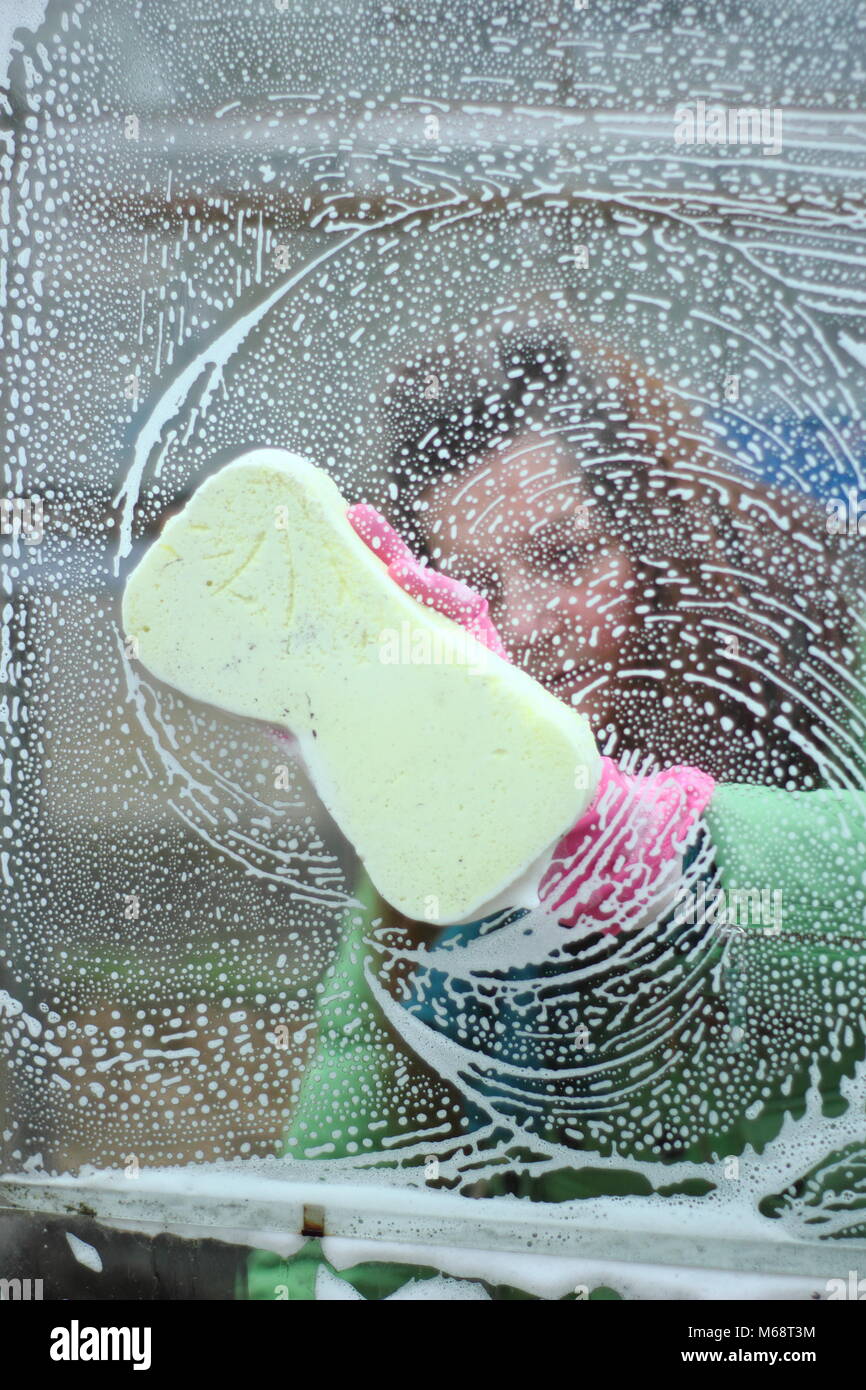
[[448, 596], [622, 859]]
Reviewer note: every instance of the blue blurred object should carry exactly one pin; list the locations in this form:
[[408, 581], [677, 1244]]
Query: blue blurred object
[[819, 457]]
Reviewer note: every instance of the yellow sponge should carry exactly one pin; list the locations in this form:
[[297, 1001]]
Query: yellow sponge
[[448, 769]]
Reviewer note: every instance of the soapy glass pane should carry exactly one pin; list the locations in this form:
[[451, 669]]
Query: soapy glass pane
[[609, 376]]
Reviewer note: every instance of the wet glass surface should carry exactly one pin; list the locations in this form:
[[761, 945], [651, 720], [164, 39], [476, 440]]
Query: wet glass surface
[[500, 273]]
